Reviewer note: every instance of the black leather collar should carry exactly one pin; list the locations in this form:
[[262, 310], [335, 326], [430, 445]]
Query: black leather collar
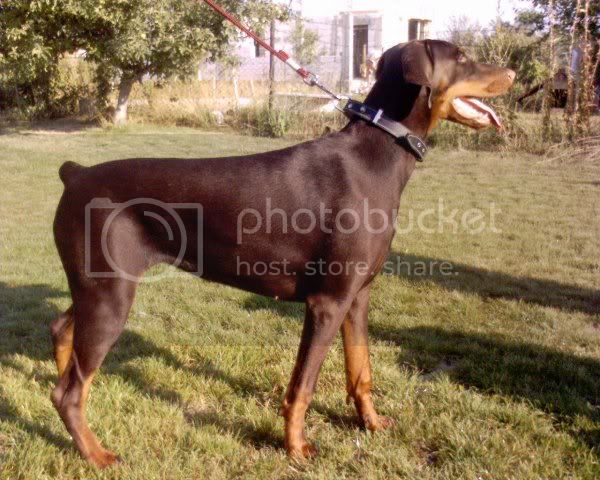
[[376, 117]]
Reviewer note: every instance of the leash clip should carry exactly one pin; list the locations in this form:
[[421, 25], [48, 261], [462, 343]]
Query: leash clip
[[311, 79]]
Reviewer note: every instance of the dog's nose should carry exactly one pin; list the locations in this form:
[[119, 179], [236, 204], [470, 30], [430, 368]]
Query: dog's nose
[[512, 75]]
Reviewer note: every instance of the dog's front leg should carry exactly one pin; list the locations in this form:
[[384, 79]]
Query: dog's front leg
[[324, 316], [358, 364]]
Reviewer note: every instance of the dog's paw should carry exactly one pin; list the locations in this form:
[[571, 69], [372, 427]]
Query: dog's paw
[[305, 451], [104, 459], [378, 423]]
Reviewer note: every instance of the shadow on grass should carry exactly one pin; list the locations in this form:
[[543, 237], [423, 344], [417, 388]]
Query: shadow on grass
[[9, 412], [557, 382], [239, 427], [490, 284], [61, 125], [486, 284], [25, 316]]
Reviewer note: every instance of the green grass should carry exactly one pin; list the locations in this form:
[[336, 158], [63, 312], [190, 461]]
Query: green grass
[[491, 373]]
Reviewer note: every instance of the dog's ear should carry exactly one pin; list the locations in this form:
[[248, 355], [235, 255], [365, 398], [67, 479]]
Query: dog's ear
[[411, 62], [418, 63]]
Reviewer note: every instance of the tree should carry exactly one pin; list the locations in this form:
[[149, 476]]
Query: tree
[[565, 13], [126, 39], [160, 38], [572, 105], [577, 28], [463, 32], [305, 43], [549, 86], [501, 43], [32, 38], [146, 37], [588, 70]]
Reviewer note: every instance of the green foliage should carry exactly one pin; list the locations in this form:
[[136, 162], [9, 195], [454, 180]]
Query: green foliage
[[536, 19], [532, 21], [127, 39], [265, 121], [27, 60], [70, 85], [514, 47], [162, 38], [305, 43], [464, 33]]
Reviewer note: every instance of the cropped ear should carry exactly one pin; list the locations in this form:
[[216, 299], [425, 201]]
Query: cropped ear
[[411, 62], [418, 63]]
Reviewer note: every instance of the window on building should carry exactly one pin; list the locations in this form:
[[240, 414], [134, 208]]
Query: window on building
[[418, 29], [259, 51]]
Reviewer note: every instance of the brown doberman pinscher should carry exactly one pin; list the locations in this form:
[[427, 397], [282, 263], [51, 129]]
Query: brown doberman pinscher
[[105, 250]]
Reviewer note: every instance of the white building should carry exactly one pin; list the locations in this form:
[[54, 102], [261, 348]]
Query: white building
[[350, 33]]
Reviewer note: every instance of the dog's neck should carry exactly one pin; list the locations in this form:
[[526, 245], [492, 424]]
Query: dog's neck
[[405, 103]]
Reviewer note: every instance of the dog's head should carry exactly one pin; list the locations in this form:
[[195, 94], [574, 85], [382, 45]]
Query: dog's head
[[455, 83]]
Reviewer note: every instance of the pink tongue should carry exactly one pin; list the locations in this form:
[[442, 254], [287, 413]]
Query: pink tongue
[[482, 106]]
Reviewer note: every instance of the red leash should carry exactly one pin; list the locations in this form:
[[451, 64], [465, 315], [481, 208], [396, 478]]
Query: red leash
[[308, 77]]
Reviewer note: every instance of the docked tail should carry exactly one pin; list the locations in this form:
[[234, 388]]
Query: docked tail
[[68, 171]]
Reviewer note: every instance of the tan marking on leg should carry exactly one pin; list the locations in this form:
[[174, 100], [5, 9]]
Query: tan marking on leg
[[324, 317], [294, 413], [98, 455], [359, 379], [62, 338], [64, 349], [72, 411]]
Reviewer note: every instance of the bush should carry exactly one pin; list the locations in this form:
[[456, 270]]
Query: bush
[[69, 88], [296, 123], [262, 121], [57, 94]]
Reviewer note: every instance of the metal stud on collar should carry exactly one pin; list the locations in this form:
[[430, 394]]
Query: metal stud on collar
[[411, 142]]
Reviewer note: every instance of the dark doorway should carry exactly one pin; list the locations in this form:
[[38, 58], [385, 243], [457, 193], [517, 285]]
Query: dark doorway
[[361, 49], [413, 30]]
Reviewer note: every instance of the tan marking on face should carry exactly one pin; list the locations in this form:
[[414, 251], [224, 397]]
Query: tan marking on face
[[488, 86]]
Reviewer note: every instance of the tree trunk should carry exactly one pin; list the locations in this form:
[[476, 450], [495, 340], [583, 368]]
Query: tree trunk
[[549, 85], [120, 117], [103, 79], [272, 66], [582, 120], [571, 96]]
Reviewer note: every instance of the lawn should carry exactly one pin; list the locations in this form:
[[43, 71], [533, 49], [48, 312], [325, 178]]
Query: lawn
[[491, 372]]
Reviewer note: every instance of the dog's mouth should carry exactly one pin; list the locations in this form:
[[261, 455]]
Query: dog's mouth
[[474, 113]]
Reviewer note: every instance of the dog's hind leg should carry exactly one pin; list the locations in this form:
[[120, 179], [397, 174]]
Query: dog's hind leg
[[62, 339], [99, 317], [358, 365]]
